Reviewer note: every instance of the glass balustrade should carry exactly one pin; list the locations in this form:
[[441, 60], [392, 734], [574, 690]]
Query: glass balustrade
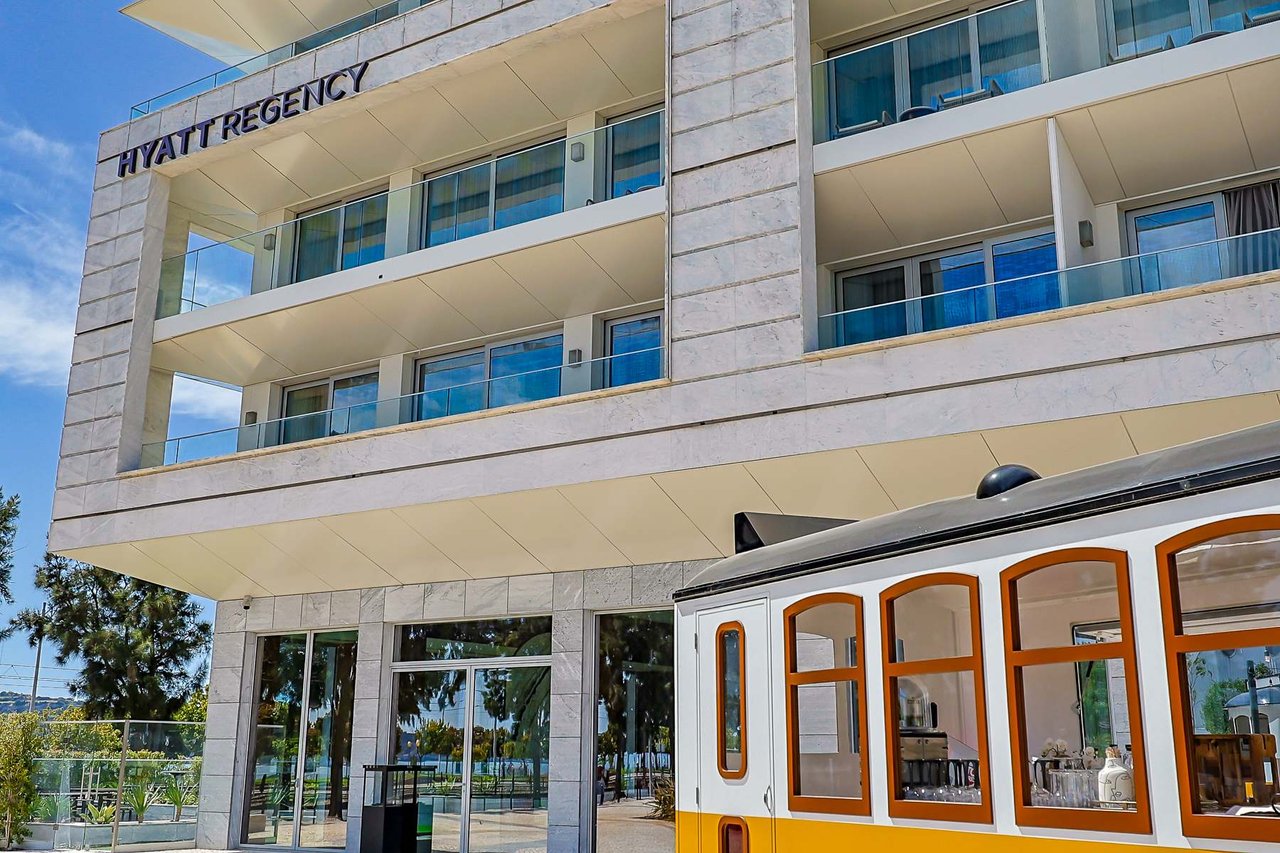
[[1155, 272], [616, 160], [1005, 49], [491, 393], [266, 60]]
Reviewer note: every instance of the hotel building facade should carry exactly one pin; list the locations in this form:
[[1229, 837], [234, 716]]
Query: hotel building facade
[[526, 298]]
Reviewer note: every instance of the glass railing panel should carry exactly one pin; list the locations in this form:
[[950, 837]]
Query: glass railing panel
[[612, 161], [496, 392], [528, 185], [265, 60], [635, 155], [1172, 269]]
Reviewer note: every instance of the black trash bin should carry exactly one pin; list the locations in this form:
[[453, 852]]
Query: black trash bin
[[389, 822]]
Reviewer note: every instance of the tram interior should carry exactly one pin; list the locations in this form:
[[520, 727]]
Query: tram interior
[[830, 733], [938, 720]]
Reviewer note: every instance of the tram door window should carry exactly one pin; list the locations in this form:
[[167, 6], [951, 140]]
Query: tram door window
[[1076, 727], [1220, 587], [735, 773]]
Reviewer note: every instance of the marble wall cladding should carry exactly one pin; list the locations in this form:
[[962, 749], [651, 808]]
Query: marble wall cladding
[[737, 212], [571, 598], [110, 356]]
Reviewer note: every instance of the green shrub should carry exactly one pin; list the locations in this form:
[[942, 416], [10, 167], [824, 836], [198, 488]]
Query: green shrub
[[19, 746]]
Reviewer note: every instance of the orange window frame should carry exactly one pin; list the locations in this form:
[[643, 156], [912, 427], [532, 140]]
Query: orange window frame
[[855, 674], [1138, 821], [919, 809], [721, 734], [722, 836], [1177, 644]]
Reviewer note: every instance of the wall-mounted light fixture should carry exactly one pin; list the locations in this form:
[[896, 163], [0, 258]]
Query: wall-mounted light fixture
[[578, 152], [1086, 233], [269, 241], [575, 356], [250, 418]]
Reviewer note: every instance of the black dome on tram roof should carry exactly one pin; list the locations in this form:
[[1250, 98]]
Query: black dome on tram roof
[[1004, 478], [1212, 463]]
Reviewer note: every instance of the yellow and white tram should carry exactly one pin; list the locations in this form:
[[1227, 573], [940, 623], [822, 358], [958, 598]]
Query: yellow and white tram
[[1089, 657]]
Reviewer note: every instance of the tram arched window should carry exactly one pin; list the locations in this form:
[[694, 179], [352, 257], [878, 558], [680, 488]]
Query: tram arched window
[[826, 705], [1220, 595], [1076, 730], [936, 710], [731, 731]]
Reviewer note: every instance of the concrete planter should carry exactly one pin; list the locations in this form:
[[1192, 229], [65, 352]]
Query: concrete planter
[[83, 836]]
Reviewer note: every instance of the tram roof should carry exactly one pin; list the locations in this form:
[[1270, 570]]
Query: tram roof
[[1214, 463]]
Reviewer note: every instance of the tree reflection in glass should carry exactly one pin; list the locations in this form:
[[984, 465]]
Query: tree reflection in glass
[[431, 719], [510, 742], [635, 711], [270, 802]]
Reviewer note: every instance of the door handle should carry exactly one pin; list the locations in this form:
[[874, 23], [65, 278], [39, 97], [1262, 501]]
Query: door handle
[[768, 799]]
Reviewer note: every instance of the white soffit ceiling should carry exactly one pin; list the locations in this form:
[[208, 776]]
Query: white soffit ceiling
[[959, 187], [235, 30], [433, 127], [598, 271], [665, 517], [662, 518], [1202, 130]]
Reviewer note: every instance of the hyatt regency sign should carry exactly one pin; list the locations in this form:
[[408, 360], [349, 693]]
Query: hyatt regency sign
[[260, 114]]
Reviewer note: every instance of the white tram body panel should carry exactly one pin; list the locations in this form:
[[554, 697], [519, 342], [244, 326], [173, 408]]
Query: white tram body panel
[[1017, 800]]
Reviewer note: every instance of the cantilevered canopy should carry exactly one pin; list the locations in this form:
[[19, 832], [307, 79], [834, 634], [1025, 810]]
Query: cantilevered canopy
[[236, 30], [1232, 459]]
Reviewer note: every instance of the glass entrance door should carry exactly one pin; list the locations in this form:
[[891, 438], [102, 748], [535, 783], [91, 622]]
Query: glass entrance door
[[481, 735], [300, 767]]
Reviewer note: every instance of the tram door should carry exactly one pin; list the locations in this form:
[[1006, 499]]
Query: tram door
[[735, 743]]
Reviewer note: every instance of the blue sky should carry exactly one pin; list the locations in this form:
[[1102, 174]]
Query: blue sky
[[68, 70]]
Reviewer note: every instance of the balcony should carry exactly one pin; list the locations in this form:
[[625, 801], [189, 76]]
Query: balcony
[[494, 392], [956, 301], [611, 162], [1007, 49], [280, 54]]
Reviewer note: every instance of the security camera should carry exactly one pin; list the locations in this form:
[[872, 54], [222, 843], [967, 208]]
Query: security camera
[[246, 602]]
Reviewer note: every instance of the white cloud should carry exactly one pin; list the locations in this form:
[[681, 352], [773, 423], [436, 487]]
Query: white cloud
[[214, 403], [44, 187]]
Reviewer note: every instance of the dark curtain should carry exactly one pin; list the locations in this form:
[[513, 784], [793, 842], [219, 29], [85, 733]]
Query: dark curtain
[[1253, 217]]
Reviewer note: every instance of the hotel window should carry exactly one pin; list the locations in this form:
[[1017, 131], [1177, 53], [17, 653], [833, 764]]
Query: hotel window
[[826, 705], [634, 350], [635, 153], [340, 237], [496, 193], [936, 709], [1140, 27], [1002, 277], [731, 709], [1206, 238], [501, 374], [1075, 724], [335, 406], [1220, 599], [941, 66]]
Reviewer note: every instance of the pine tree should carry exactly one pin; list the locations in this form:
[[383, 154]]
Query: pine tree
[[140, 646], [8, 535]]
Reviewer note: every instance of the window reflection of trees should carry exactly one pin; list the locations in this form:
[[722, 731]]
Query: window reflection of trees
[[480, 638], [635, 704]]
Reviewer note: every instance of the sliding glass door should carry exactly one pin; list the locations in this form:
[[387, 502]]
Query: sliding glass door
[[481, 736], [473, 712], [300, 763]]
